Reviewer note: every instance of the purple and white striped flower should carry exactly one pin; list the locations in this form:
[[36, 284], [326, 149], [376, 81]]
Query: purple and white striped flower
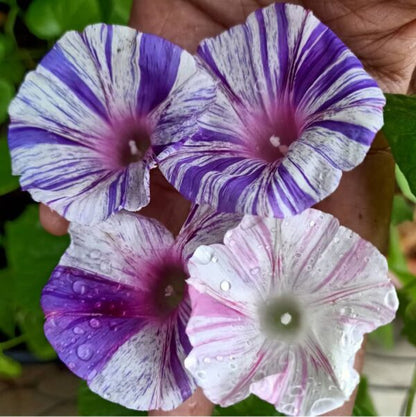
[[296, 109], [117, 305], [280, 309], [86, 124]]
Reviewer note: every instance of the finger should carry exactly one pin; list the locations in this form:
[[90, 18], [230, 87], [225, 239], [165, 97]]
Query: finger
[[52, 222], [196, 405]]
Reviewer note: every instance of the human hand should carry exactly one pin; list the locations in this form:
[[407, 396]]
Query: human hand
[[381, 34]]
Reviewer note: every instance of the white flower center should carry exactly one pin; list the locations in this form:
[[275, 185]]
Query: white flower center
[[133, 148], [282, 317], [275, 141], [285, 319]]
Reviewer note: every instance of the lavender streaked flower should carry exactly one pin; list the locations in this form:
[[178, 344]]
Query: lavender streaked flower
[[117, 305], [296, 108], [87, 123], [282, 312]]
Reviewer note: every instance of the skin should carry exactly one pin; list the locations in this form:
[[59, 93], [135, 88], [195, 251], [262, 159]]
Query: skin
[[381, 33]]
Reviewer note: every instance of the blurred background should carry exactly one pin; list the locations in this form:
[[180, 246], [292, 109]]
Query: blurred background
[[32, 380]]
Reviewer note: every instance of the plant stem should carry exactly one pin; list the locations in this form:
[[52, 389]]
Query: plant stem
[[12, 342], [411, 394]]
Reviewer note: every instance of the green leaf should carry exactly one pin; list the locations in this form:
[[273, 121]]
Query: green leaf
[[32, 254], [7, 311], [400, 131], [409, 328], [91, 404], [6, 95], [9, 368], [364, 405], [252, 406], [119, 11], [383, 336], [404, 185], [396, 258], [7, 181], [402, 210], [49, 19]]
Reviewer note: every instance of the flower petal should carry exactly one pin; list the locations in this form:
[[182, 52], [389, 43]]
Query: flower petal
[[204, 226], [296, 108], [306, 272], [226, 350], [111, 248], [79, 122], [147, 372]]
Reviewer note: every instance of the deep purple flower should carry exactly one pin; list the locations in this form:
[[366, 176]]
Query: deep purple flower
[[280, 310], [86, 124], [117, 305], [296, 108]]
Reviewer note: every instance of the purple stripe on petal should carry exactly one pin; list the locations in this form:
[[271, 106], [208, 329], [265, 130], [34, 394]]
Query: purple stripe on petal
[[263, 48], [31, 136], [57, 63], [108, 51], [354, 132], [88, 318], [283, 50], [159, 62]]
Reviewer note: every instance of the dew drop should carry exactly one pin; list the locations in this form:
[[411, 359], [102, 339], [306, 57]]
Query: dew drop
[[233, 365], [95, 323], [84, 352], [78, 330], [225, 285], [323, 405], [71, 365], [79, 287], [203, 255], [214, 259], [207, 360], [255, 271], [390, 300], [296, 390], [312, 223], [219, 358], [288, 409], [92, 375], [105, 267], [95, 254], [201, 374]]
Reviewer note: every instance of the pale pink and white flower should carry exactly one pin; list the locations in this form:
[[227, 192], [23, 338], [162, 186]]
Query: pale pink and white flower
[[280, 309]]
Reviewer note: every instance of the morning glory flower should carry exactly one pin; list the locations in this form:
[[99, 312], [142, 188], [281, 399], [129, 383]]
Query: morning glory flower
[[86, 124], [295, 109], [280, 309], [117, 305]]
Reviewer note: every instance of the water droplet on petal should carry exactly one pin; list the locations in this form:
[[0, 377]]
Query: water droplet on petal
[[225, 285], [312, 223], [92, 374], [201, 374], [219, 358], [296, 390], [71, 365], [288, 409], [84, 352], [207, 360], [214, 259], [203, 255], [95, 254], [323, 405], [79, 287], [390, 300], [78, 330], [105, 267], [255, 271], [95, 323]]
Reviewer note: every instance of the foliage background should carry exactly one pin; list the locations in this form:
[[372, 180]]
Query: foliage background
[[28, 29]]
